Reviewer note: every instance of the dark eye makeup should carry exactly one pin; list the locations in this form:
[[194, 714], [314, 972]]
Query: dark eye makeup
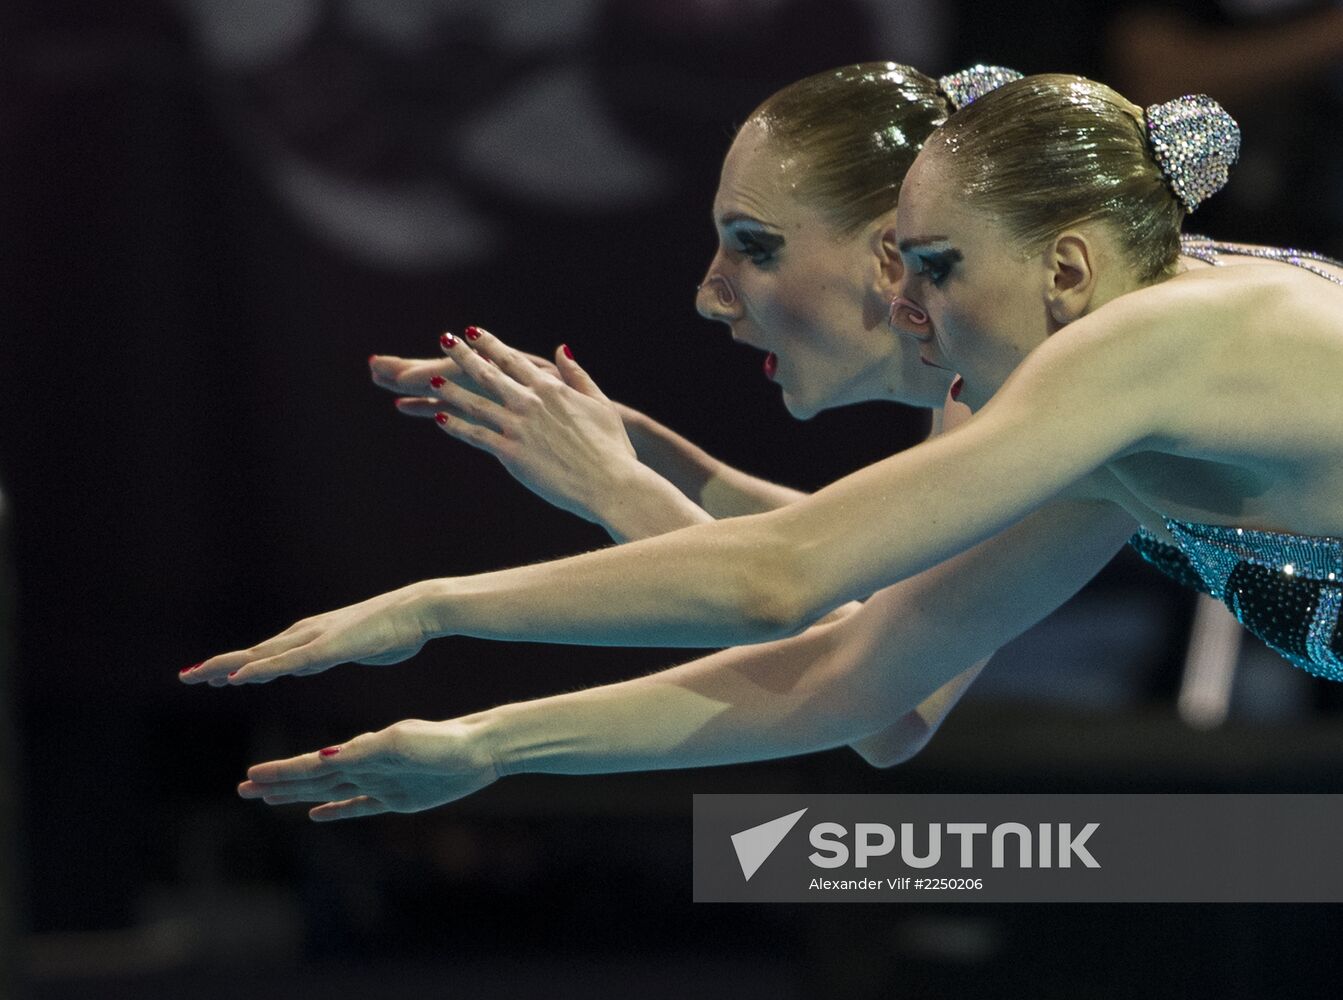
[[936, 265], [760, 246]]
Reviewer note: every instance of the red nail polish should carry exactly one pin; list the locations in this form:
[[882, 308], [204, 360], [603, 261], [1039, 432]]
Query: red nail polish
[[187, 670], [956, 387], [472, 333], [448, 341], [372, 358], [329, 751], [234, 674], [442, 418], [437, 381], [567, 353]]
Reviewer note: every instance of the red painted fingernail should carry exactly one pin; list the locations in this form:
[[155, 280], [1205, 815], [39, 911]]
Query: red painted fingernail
[[472, 333], [448, 341], [437, 381], [235, 673], [442, 418], [372, 358], [567, 353], [329, 751], [187, 670], [956, 387]]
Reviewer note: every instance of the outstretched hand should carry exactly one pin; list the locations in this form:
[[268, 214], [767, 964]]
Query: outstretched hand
[[388, 628], [549, 425], [409, 766]]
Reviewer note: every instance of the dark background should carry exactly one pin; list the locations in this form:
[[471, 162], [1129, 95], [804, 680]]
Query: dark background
[[211, 217]]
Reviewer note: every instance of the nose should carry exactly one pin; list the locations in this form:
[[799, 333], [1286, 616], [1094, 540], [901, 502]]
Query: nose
[[911, 319], [716, 297]]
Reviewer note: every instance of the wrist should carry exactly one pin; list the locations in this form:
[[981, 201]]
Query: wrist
[[497, 740], [431, 601], [629, 486]]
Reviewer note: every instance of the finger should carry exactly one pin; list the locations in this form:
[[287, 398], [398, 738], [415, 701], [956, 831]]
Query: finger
[[342, 791], [574, 376], [288, 796], [416, 377], [512, 363], [479, 409], [322, 784], [485, 374], [473, 434], [217, 668], [312, 766], [417, 406], [545, 364], [422, 407], [364, 805], [309, 658]]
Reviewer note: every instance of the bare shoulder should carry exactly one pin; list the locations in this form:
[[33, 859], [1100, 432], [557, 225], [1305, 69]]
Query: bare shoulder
[[1259, 359]]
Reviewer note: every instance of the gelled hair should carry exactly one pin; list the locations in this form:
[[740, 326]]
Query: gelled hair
[[856, 130], [1048, 152]]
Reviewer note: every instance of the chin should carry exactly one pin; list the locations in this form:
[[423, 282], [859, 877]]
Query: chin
[[801, 408]]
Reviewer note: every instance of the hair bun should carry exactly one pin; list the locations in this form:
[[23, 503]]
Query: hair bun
[[1195, 143], [973, 83]]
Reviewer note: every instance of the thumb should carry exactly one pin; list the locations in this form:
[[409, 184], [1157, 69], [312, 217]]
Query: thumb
[[574, 376]]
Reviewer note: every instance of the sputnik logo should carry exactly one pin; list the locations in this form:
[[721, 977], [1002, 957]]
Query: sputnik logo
[[754, 846]]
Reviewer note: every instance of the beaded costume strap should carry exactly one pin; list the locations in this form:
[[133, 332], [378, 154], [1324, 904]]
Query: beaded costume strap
[[1210, 251]]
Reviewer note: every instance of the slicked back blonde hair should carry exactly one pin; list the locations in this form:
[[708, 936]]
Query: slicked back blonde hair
[[855, 131], [1048, 152]]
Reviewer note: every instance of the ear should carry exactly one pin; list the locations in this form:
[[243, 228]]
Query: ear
[[890, 266], [1070, 277]]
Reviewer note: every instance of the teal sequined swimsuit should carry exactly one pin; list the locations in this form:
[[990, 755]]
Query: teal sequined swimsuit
[[1286, 589]]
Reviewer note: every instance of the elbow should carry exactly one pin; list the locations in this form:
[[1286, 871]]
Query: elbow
[[775, 604], [899, 743]]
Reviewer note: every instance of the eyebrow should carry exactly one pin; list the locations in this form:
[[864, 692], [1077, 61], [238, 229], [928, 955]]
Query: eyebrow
[[917, 241], [734, 217]]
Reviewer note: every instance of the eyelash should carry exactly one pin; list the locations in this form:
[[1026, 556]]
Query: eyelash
[[757, 253], [936, 268]]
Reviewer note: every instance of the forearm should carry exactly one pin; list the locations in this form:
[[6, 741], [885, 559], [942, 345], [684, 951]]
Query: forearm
[[722, 589], [647, 505], [711, 483], [752, 703]]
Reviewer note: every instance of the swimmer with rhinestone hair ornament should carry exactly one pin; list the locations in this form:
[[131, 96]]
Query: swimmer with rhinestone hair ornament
[[1153, 378]]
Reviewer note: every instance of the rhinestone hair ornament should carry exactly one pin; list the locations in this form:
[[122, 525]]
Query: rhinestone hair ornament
[[971, 84], [1195, 142]]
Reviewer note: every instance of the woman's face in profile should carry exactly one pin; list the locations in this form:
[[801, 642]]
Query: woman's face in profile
[[981, 298], [786, 281]]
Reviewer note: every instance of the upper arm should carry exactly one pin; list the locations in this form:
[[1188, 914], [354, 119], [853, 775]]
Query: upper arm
[[1081, 399], [912, 638]]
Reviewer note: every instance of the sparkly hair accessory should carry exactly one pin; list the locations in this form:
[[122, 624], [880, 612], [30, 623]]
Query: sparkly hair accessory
[[973, 83], [1195, 142]]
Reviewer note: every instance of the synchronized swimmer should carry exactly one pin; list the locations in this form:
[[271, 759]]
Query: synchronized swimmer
[[1168, 414]]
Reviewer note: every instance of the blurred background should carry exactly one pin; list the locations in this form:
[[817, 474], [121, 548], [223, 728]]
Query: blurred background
[[214, 212]]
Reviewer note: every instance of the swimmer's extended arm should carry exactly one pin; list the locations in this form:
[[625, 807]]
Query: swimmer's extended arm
[[826, 687], [1072, 405]]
